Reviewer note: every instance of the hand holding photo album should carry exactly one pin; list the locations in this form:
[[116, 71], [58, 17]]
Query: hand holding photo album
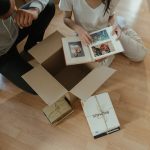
[[104, 44]]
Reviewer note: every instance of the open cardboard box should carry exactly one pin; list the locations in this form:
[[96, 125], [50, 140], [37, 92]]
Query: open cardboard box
[[52, 79]]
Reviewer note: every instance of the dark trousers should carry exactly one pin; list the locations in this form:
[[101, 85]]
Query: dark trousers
[[12, 65]]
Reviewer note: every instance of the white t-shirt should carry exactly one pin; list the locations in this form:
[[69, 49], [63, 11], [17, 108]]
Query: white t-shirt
[[89, 18]]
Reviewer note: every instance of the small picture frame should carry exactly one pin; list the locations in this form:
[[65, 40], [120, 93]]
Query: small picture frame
[[76, 49]]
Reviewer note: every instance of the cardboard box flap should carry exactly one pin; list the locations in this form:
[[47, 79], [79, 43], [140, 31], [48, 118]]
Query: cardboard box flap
[[86, 87], [41, 52], [45, 85]]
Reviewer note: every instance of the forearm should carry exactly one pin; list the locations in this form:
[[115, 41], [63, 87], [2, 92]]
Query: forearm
[[111, 20], [39, 4], [82, 33], [71, 24]]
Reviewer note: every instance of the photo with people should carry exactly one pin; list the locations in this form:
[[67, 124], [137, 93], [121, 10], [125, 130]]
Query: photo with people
[[76, 49], [102, 49]]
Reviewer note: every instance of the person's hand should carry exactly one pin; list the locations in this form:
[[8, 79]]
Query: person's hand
[[24, 18], [117, 30], [111, 20], [84, 35]]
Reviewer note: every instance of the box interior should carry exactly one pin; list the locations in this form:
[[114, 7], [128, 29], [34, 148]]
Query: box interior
[[68, 76]]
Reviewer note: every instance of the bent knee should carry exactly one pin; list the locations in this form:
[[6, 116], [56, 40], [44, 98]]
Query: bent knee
[[138, 57]]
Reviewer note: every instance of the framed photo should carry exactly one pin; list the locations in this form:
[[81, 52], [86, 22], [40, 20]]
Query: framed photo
[[76, 49]]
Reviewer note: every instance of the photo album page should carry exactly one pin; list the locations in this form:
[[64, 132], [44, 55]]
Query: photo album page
[[103, 45]]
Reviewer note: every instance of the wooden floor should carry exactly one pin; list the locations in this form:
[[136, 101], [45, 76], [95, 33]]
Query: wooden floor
[[24, 127]]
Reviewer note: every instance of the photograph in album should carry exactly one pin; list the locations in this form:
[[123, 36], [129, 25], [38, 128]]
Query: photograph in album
[[102, 49], [76, 49], [102, 35]]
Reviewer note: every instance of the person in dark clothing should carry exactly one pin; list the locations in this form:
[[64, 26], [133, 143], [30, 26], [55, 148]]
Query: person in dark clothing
[[29, 20]]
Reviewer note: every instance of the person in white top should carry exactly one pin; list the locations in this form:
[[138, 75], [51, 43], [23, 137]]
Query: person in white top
[[92, 15]]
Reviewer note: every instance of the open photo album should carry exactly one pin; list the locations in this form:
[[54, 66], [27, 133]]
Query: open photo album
[[103, 45]]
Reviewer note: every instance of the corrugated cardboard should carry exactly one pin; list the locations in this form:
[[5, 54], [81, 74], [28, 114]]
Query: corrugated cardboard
[[52, 79]]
